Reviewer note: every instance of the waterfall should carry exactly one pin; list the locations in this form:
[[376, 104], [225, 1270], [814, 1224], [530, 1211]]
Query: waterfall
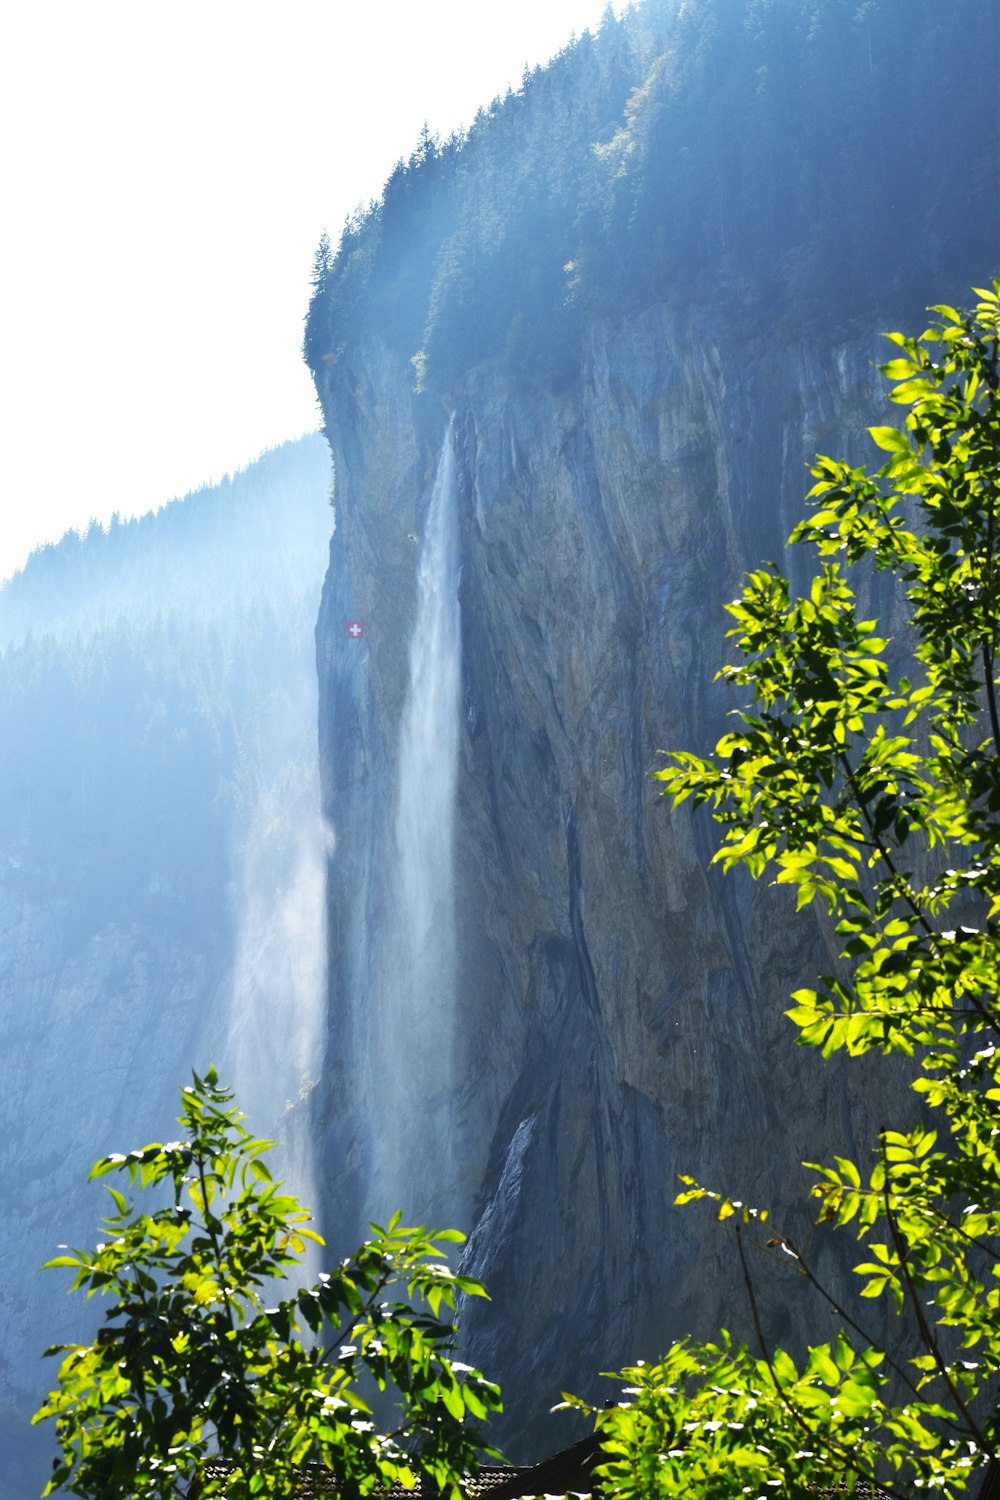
[[417, 1020]]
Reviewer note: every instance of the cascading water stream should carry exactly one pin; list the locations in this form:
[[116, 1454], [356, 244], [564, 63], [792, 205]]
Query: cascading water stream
[[417, 1023]]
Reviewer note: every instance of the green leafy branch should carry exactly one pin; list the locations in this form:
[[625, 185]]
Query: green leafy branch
[[191, 1365]]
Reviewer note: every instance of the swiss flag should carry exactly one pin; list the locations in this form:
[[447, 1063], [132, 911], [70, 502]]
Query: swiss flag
[[355, 629]]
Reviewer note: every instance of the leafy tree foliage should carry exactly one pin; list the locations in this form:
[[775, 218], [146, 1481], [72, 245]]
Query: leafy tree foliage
[[193, 1366], [877, 794]]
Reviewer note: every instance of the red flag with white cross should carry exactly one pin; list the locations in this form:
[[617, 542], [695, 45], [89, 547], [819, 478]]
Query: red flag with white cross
[[355, 629]]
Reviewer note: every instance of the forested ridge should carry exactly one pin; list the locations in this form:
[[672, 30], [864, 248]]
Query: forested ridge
[[141, 686], [742, 158], [245, 534]]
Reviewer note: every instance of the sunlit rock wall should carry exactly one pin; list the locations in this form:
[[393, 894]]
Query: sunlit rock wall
[[619, 1014]]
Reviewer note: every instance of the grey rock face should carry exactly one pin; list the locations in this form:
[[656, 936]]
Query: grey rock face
[[619, 1007]]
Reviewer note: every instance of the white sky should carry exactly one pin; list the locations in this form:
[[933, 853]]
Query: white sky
[[168, 168]]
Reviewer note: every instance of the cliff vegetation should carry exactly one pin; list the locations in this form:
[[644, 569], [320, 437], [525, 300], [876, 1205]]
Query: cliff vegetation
[[748, 160]]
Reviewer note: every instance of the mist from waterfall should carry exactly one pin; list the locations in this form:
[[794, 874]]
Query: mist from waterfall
[[418, 1018], [279, 978]]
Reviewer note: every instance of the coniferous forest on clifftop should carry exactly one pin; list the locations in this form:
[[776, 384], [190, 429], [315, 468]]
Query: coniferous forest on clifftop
[[754, 163]]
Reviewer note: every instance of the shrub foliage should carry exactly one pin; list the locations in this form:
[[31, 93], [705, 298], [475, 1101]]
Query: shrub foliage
[[194, 1378]]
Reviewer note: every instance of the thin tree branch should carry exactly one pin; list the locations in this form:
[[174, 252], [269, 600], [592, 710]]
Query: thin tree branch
[[814, 1436], [989, 646], [902, 885], [232, 1356], [991, 692], [851, 1322], [926, 1332], [896, 876]]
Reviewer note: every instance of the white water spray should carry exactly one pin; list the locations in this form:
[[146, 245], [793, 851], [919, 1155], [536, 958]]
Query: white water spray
[[279, 973], [418, 1022]]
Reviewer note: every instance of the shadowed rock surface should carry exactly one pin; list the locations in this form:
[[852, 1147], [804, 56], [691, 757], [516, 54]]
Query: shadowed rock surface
[[618, 1010]]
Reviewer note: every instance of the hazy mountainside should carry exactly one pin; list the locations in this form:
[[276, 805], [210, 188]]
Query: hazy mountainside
[[595, 341], [161, 859], [250, 537]]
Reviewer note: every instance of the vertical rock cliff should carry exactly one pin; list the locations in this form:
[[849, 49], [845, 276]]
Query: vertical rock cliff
[[618, 1010], [622, 455]]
